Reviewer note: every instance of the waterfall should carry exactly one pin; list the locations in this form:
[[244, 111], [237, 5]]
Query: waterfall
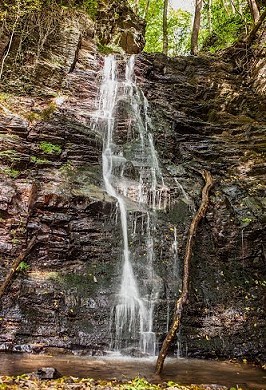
[[132, 176]]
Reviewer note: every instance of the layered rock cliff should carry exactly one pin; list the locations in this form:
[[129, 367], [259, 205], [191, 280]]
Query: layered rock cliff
[[205, 114]]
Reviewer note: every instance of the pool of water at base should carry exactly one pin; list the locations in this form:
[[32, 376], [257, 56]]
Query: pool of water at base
[[182, 371]]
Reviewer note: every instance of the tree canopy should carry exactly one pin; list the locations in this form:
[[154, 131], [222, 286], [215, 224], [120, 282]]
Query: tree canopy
[[222, 22], [219, 23]]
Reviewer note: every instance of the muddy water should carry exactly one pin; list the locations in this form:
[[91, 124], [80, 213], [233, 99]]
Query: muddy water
[[183, 371]]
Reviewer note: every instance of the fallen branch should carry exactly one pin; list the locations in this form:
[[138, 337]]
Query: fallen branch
[[15, 265], [188, 253]]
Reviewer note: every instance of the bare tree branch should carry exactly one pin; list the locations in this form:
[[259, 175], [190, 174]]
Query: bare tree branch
[[188, 254], [15, 265]]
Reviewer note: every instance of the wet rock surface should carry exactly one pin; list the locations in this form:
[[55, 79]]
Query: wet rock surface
[[47, 373], [204, 117], [210, 120]]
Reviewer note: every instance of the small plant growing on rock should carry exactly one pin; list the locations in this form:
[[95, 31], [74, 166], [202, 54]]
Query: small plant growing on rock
[[50, 148], [39, 161], [246, 220], [23, 267], [32, 116], [13, 173], [48, 111], [9, 154], [109, 49]]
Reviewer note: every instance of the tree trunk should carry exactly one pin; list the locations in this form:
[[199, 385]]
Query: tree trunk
[[237, 8], [8, 46], [254, 10], [15, 265], [136, 6], [146, 9], [226, 6], [252, 35], [196, 27], [165, 27], [233, 7], [188, 253], [210, 16]]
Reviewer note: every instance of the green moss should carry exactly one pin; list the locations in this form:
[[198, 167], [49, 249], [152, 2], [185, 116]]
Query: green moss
[[15, 241], [90, 7], [13, 173], [246, 220], [39, 161], [9, 154], [23, 267], [109, 49], [104, 49], [48, 111], [32, 116], [83, 284], [5, 97], [50, 148], [66, 168]]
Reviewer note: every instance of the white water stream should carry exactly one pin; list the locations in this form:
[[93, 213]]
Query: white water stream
[[128, 142]]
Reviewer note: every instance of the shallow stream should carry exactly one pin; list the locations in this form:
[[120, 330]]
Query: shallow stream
[[182, 371]]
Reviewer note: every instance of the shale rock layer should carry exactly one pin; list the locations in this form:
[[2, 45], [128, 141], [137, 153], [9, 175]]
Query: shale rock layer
[[204, 117]]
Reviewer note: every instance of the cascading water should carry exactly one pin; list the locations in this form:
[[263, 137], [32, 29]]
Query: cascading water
[[132, 176]]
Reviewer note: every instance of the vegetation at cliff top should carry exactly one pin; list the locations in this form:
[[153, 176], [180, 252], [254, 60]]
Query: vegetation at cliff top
[[22, 7], [222, 22]]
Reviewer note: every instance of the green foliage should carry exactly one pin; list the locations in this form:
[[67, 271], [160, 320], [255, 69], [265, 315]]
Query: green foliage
[[108, 49], [154, 28], [23, 267], [48, 111], [139, 384], [39, 161], [179, 30], [32, 116], [21, 6], [83, 285], [13, 173], [246, 220], [66, 168], [27, 381], [50, 148], [4, 97], [91, 7], [179, 27], [44, 115], [27, 6], [9, 154], [104, 49], [221, 26]]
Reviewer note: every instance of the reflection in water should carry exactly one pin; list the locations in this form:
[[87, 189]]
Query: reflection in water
[[183, 371]]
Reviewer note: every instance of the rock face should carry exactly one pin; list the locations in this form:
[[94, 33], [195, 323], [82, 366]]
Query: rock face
[[209, 120], [204, 116], [117, 24]]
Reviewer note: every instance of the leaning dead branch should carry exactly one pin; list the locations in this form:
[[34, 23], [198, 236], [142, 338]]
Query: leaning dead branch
[[180, 303], [15, 265]]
